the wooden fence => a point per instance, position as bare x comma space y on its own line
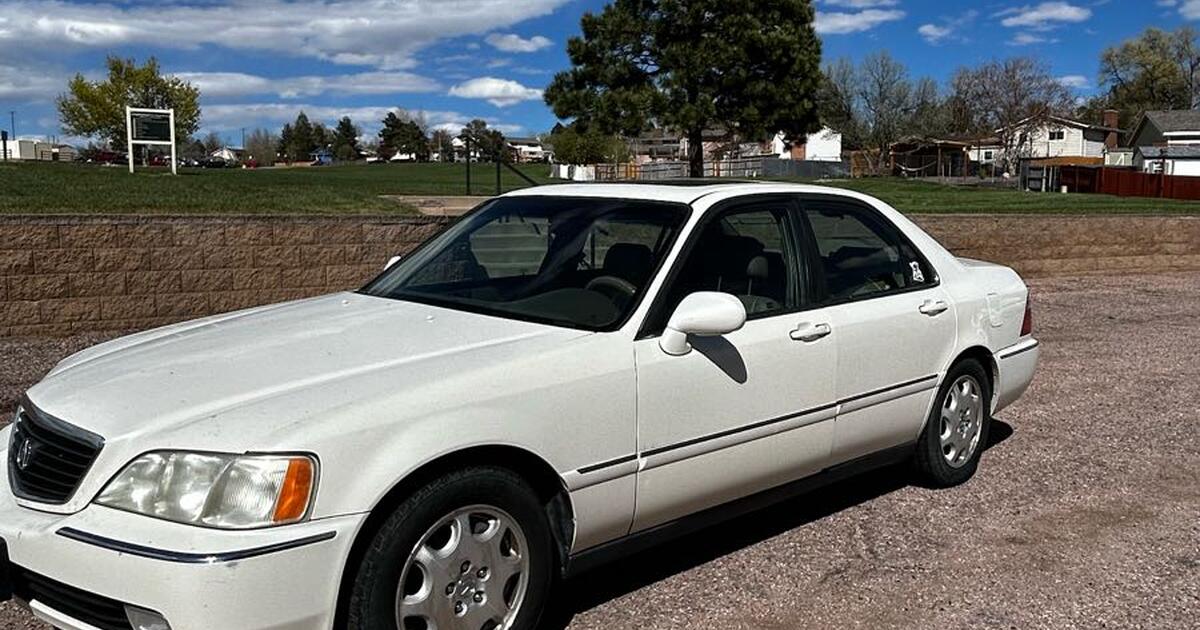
1128, 183
740, 168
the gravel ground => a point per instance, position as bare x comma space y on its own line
1084, 513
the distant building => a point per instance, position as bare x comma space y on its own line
1166, 128
229, 154
1179, 159
528, 150
1058, 137
822, 146
32, 150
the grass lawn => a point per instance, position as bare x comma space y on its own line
925, 197
44, 188
49, 188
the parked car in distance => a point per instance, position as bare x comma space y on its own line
216, 162
564, 373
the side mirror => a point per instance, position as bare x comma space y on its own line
391, 261
706, 314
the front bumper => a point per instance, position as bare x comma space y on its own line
283, 578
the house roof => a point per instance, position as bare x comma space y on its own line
1167, 121
1172, 152
917, 142
524, 141
1072, 123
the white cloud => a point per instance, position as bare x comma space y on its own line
1028, 39
227, 117
842, 23
1044, 16
934, 33
950, 28
498, 92
226, 84
25, 84
1076, 81
1167, 3
511, 43
1190, 9
381, 33
862, 4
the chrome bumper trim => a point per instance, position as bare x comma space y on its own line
187, 557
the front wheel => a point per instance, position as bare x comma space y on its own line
470, 551
956, 432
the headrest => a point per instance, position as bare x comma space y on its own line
758, 268
629, 261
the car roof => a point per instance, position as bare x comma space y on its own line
676, 191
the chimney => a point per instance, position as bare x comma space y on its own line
1111, 119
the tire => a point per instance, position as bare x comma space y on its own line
951, 444
431, 519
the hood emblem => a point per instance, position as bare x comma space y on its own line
24, 453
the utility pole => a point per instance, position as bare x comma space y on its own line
12, 124
243, 138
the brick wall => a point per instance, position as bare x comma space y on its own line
60, 275
65, 274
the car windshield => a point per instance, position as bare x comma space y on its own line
568, 261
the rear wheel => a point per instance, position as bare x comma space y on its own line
949, 448
470, 551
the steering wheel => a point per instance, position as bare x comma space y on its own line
617, 288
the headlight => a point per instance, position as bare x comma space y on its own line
215, 490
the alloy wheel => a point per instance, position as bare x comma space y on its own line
470, 571
962, 421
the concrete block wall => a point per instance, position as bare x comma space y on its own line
60, 275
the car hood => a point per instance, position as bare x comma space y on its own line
187, 373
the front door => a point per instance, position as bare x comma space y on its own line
743, 412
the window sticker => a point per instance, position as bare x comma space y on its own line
917, 275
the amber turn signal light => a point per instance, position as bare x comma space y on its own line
296, 491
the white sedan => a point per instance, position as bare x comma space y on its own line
565, 374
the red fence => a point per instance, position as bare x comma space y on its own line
1128, 183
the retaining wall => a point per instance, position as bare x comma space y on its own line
60, 275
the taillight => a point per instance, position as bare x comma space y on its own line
1027, 323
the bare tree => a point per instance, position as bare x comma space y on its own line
839, 101
887, 98
262, 146
1009, 98
1187, 57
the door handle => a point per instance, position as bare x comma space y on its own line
932, 307
810, 332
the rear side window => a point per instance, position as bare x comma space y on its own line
861, 254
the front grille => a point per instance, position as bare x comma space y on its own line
97, 610
48, 458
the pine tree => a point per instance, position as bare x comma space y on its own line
345, 140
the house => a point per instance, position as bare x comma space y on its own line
822, 146
655, 145
1064, 140
1166, 128
528, 150
1176, 159
229, 154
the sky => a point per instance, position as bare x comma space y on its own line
260, 62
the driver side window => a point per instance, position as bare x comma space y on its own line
743, 253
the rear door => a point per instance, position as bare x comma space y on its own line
746, 411
894, 324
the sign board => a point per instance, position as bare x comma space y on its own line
150, 127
